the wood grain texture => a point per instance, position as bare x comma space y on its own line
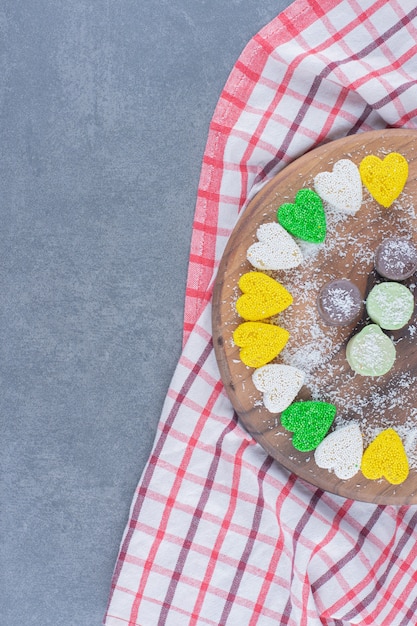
389, 401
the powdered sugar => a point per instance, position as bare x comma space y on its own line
319, 350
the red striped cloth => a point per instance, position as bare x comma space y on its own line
218, 532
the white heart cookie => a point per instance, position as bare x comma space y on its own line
342, 188
279, 384
341, 451
275, 249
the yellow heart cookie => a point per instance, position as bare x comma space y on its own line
262, 297
259, 342
384, 179
385, 457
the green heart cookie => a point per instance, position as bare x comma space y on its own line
309, 421
305, 218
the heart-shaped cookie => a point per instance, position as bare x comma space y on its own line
385, 457
262, 297
309, 421
341, 451
341, 188
279, 384
305, 218
259, 342
274, 250
384, 179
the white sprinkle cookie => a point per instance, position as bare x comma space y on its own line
275, 249
342, 188
279, 383
341, 451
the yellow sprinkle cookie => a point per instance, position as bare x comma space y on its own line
385, 457
262, 297
384, 179
259, 342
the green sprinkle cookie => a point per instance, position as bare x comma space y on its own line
305, 218
390, 305
309, 421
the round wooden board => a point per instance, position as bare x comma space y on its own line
375, 403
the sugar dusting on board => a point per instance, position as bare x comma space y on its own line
316, 348
319, 350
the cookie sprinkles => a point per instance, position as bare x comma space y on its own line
369, 353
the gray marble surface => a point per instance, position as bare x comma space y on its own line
105, 108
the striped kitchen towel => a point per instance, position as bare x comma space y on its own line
218, 532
